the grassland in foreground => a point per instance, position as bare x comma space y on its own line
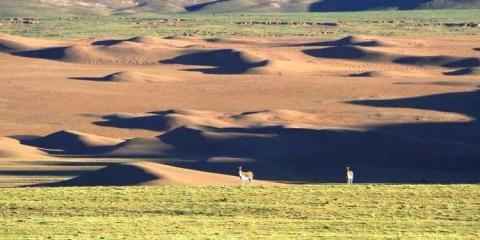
274, 212
397, 23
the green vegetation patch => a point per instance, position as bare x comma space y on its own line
396, 23
251, 212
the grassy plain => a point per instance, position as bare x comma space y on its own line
396, 23
256, 212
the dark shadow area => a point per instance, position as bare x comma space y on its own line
462, 72
108, 42
427, 152
224, 61
443, 83
200, 6
112, 175
456, 133
67, 142
54, 53
156, 122
363, 74
111, 42
71, 164
6, 48
476, 49
361, 5
43, 172
342, 52
346, 41
424, 152
443, 61
95, 79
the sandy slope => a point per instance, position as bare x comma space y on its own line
290, 108
149, 173
12, 148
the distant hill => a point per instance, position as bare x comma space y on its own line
123, 7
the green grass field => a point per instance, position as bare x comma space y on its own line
275, 212
397, 23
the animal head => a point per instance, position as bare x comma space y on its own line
348, 168
240, 168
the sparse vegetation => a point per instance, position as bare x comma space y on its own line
273, 212
418, 23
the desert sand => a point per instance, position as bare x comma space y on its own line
291, 109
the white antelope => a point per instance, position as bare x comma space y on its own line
245, 176
349, 176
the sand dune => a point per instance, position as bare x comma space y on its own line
73, 142
464, 71
223, 61
128, 76
359, 53
346, 52
165, 120
171, 119
301, 153
283, 67
389, 74
277, 117
139, 147
146, 40
12, 148
125, 53
442, 61
346, 41
288, 108
10, 43
149, 173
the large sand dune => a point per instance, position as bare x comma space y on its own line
148, 173
73, 142
291, 109
12, 148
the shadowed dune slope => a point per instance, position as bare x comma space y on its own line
164, 120
12, 148
149, 173
313, 149
464, 71
370, 74
285, 152
126, 76
463, 132
443, 61
388, 74
10, 43
174, 118
346, 41
223, 61
73, 142
146, 41
362, 53
141, 147
345, 52
121, 52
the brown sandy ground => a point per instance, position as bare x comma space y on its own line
292, 109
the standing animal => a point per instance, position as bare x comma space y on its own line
245, 175
349, 176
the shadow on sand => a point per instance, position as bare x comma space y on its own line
425, 152
224, 61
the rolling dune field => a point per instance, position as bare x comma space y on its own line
294, 109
